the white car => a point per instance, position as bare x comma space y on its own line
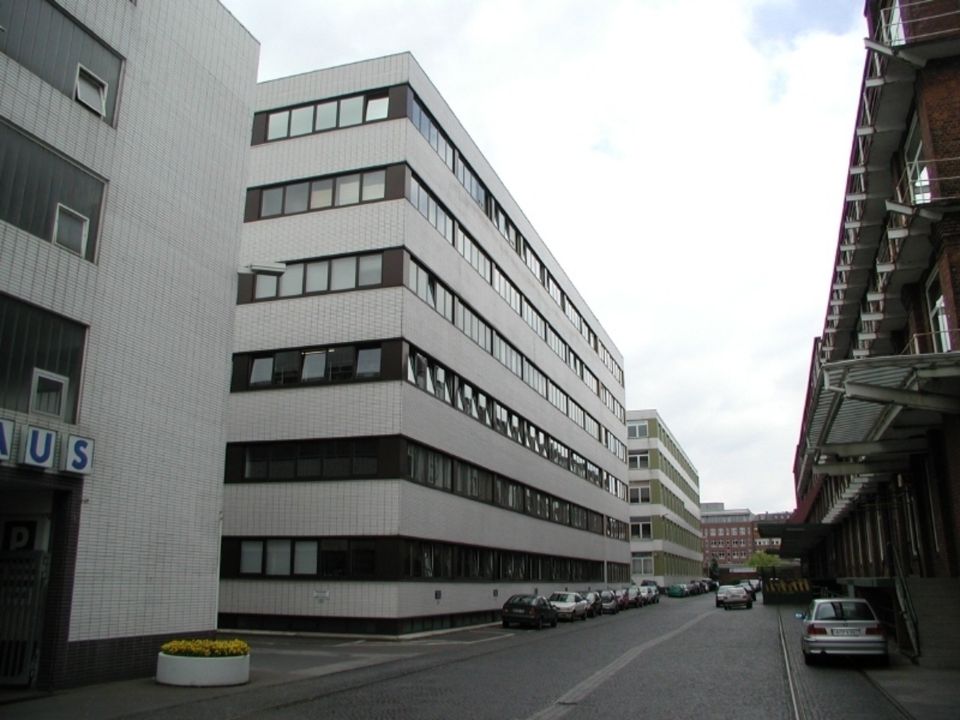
649, 594
842, 626
569, 605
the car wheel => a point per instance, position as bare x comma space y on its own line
749, 606
718, 604
539, 623
505, 623
726, 607
554, 623
583, 617
808, 659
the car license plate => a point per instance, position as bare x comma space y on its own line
846, 632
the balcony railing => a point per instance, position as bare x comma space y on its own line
924, 182
945, 340
902, 23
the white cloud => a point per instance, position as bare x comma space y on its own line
688, 179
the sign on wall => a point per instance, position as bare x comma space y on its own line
38, 447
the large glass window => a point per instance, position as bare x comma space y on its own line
41, 357
41, 37
343, 273
48, 196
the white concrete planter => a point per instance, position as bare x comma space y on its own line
202, 671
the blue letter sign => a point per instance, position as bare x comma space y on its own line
78, 455
38, 444
6, 438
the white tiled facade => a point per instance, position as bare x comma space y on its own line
157, 302
395, 507
665, 540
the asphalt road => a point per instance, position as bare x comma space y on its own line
681, 658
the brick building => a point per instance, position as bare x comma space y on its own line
877, 468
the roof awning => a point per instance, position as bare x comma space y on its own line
868, 415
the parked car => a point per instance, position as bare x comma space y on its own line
609, 603
653, 584
842, 626
593, 602
650, 594
634, 599
569, 605
533, 610
621, 598
722, 593
737, 596
678, 590
694, 587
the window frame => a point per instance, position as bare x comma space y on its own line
35, 406
61, 208
101, 86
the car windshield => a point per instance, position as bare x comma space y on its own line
562, 597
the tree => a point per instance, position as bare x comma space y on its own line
714, 569
763, 559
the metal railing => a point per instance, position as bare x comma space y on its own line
902, 23
907, 612
929, 181
939, 341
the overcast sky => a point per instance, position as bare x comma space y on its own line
684, 161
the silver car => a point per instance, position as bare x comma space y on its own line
842, 626
569, 605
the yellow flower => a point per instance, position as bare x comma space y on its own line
205, 648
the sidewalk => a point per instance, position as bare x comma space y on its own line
921, 693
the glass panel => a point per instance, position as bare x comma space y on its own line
305, 557
251, 556
271, 202
314, 366
348, 189
296, 200
278, 125
49, 393
377, 108
343, 273
262, 371
257, 464
266, 286
91, 91
351, 111
278, 557
370, 270
317, 276
368, 363
341, 363
301, 121
373, 185
291, 282
286, 367
321, 193
326, 116
71, 230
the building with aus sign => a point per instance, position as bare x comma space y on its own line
425, 417
877, 468
118, 237
664, 497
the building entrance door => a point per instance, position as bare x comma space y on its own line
23, 586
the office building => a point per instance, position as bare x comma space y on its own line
665, 535
425, 417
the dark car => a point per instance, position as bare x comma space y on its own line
533, 610
593, 602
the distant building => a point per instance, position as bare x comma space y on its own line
728, 534
665, 536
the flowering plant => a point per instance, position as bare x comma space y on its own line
205, 648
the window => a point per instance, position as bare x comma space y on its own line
265, 286
251, 557
351, 111
291, 282
348, 189
317, 276
321, 193
368, 363
295, 198
278, 125
374, 185
326, 116
638, 460
937, 313
278, 557
70, 230
369, 269
49, 393
301, 121
91, 91
343, 273
305, 557
377, 108
261, 372
314, 366
42, 38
